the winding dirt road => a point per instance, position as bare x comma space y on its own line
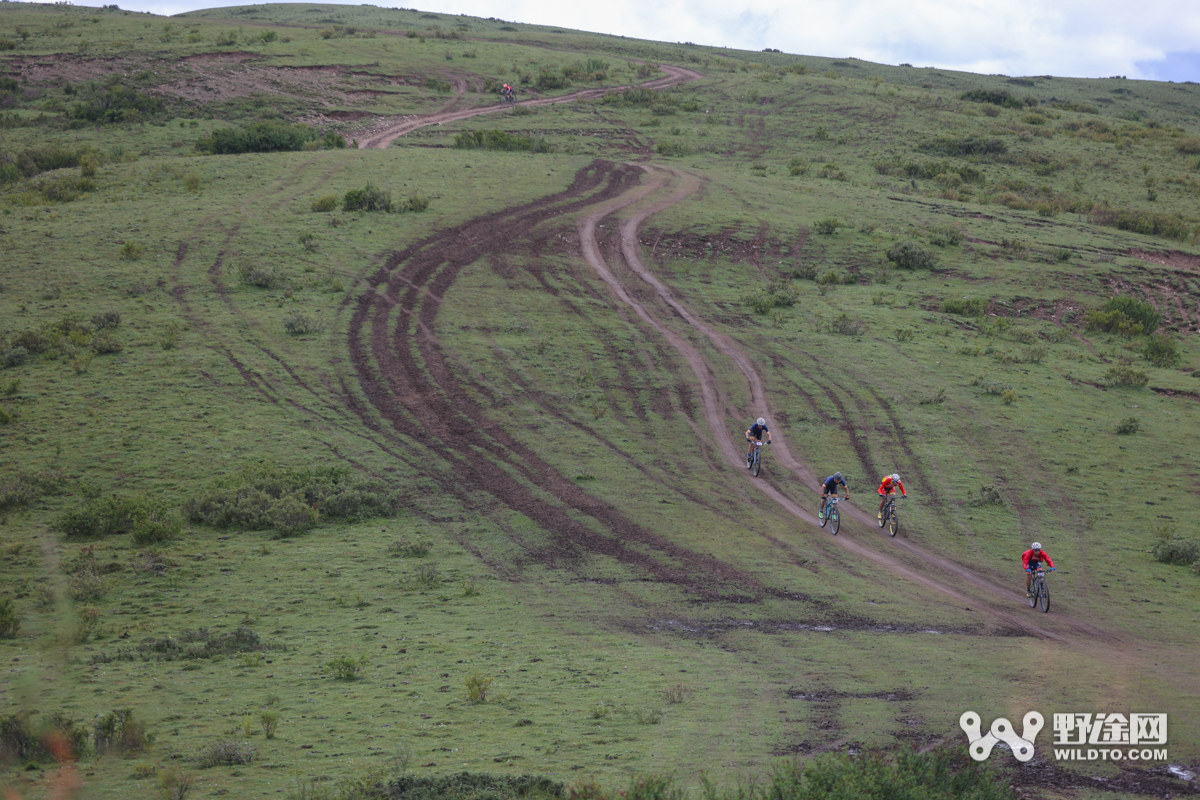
383, 136
668, 188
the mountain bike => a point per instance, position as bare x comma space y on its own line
831, 515
754, 458
1039, 594
889, 517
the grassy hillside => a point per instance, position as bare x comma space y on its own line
325, 495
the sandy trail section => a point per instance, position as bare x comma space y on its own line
936, 572
380, 138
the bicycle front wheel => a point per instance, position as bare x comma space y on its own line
835, 522
1044, 598
757, 463
893, 522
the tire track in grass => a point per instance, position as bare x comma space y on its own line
412, 393
717, 412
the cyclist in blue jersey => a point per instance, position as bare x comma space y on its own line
828, 487
754, 434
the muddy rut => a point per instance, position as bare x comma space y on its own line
408, 392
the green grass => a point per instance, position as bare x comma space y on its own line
809, 646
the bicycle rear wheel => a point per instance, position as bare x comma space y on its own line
883, 520
1033, 594
823, 518
757, 463
1044, 598
893, 521
835, 522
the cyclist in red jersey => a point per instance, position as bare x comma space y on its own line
887, 486
1031, 559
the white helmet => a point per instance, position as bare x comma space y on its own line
895, 477
1036, 545
761, 421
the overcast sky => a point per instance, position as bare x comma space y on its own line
1151, 39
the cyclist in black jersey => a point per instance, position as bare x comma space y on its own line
829, 486
755, 433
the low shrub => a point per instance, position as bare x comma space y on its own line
410, 547
478, 785
827, 227
346, 668
501, 140
1122, 375
327, 203
1128, 426
267, 137
779, 293
225, 753
106, 319
368, 198
10, 620
1173, 550
992, 385
264, 276
945, 235
477, 685
24, 741
262, 496
845, 325
191, 645
111, 515
298, 324
966, 306
1150, 223
1124, 315
117, 732
14, 356
23, 488
1161, 351
674, 149
911, 255
964, 146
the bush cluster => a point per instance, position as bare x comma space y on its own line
115, 103
965, 306
501, 140
20, 490
10, 620
190, 645
1161, 351
1126, 316
931, 170
227, 752
997, 97
477, 785
1129, 426
262, 496
1174, 550
779, 293
66, 338
23, 740
912, 255
149, 520
1150, 223
267, 137
1122, 375
964, 146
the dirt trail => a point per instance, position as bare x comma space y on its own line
718, 410
380, 138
